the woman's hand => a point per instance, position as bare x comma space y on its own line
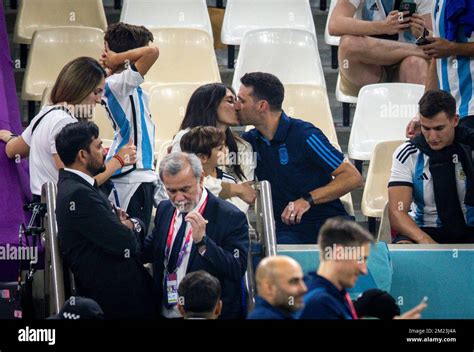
5, 135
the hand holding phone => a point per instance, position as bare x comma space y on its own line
407, 6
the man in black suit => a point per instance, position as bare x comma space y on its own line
100, 244
212, 236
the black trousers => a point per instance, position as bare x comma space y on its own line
141, 204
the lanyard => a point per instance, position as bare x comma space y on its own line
351, 306
186, 242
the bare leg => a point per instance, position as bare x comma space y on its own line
413, 69
361, 57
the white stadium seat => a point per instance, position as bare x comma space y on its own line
382, 114
290, 54
244, 15
67, 43
186, 55
34, 15
375, 191
167, 14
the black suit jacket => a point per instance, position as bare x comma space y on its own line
102, 253
225, 256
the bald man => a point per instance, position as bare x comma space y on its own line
280, 289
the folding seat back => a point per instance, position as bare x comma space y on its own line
186, 55
243, 15
382, 114
35, 15
53, 48
310, 103
167, 14
375, 191
167, 107
290, 54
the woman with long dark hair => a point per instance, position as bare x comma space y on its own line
213, 105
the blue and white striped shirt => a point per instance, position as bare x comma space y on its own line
127, 106
411, 168
455, 73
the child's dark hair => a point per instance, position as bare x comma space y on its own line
201, 140
122, 37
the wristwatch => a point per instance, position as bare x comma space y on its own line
202, 245
309, 198
136, 225
202, 242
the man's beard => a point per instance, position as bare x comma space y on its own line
283, 302
95, 169
185, 207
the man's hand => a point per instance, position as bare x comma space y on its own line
426, 239
413, 128
128, 153
5, 135
198, 224
392, 23
417, 25
414, 313
246, 192
123, 217
439, 48
294, 211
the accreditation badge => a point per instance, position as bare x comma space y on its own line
172, 288
461, 174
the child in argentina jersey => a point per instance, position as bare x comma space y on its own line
128, 56
410, 167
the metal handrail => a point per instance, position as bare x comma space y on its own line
54, 279
265, 218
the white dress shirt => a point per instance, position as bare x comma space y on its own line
181, 272
86, 177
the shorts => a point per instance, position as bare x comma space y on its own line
351, 89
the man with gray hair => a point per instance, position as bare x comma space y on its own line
195, 230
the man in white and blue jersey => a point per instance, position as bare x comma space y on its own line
378, 42
129, 57
307, 174
452, 50
430, 189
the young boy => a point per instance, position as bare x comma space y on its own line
128, 57
208, 143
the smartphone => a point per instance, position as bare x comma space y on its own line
407, 6
422, 41
425, 300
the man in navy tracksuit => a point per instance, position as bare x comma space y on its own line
280, 287
307, 173
344, 250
